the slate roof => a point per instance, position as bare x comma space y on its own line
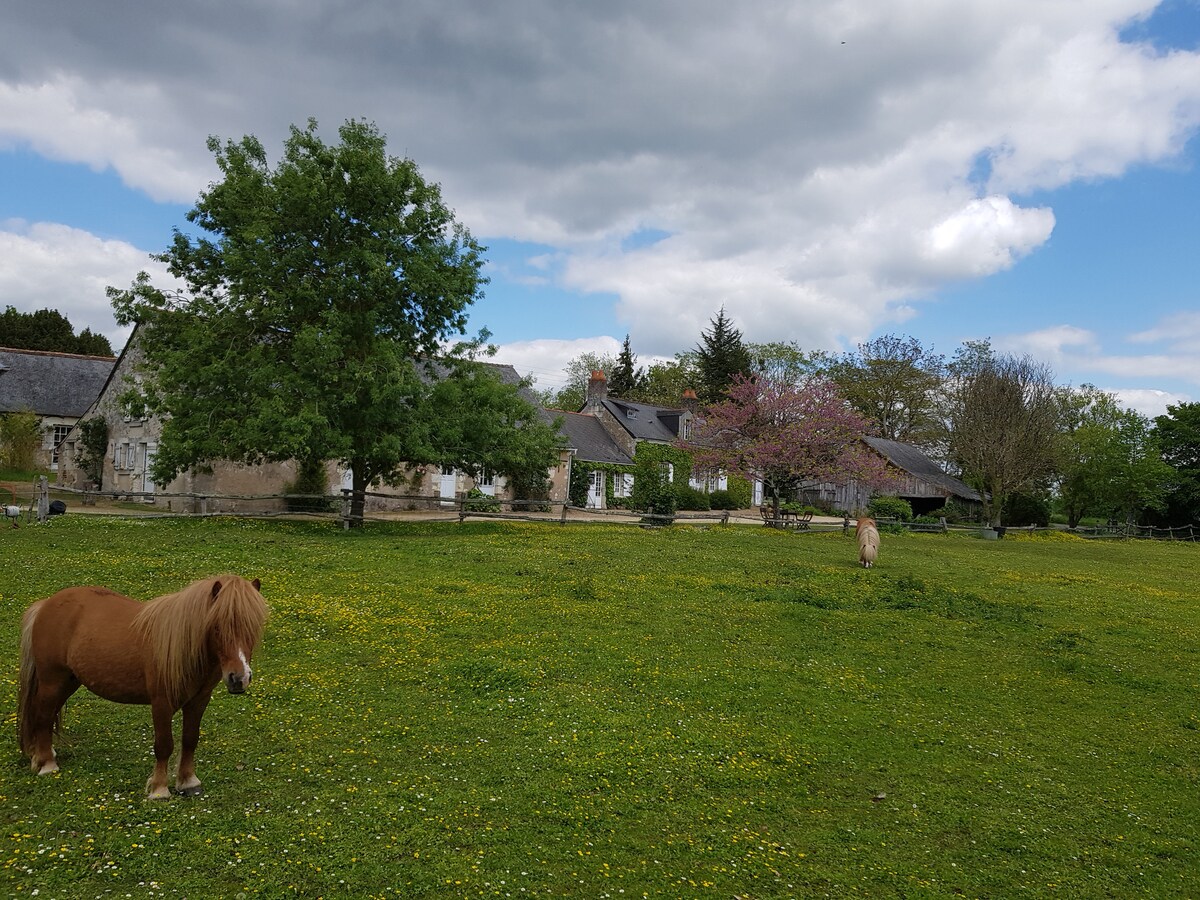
51, 384
646, 422
507, 374
588, 438
912, 460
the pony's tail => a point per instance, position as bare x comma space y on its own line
27, 683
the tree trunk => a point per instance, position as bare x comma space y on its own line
358, 488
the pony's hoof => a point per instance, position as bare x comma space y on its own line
163, 794
194, 791
48, 768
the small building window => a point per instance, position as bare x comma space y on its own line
60, 435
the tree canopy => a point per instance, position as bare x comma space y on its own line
314, 291
896, 383
48, 329
1003, 418
1107, 463
720, 357
572, 395
1177, 436
626, 379
784, 433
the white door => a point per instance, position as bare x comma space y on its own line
595, 497
448, 483
148, 451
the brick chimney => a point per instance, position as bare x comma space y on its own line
597, 390
690, 401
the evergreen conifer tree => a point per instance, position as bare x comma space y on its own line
720, 356
626, 378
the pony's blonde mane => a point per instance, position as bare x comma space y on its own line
176, 627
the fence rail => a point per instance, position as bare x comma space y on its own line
31, 502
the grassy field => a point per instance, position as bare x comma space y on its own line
495, 710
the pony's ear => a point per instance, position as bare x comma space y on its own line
257, 584
216, 589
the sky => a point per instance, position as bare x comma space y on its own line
827, 171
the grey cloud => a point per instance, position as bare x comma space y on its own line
802, 148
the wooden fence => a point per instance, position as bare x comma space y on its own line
28, 503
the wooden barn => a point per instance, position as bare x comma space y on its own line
914, 477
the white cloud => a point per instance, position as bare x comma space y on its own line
1180, 332
1149, 403
1058, 345
52, 266
545, 360
70, 120
986, 236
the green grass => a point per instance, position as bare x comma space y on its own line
493, 710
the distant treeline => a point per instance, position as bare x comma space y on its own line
48, 329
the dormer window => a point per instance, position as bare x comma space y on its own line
630, 412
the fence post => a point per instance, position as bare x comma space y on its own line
43, 498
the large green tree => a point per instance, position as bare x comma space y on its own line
572, 395
721, 356
312, 288
896, 383
477, 422
1107, 462
1177, 435
48, 329
666, 382
785, 362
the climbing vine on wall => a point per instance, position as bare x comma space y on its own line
581, 476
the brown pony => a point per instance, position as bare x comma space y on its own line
170, 653
868, 541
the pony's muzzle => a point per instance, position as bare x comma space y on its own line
236, 683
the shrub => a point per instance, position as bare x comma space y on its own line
1026, 509
20, 437
689, 498
958, 511
92, 448
478, 501
890, 508
721, 500
741, 493
312, 483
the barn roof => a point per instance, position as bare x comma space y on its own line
914, 461
51, 384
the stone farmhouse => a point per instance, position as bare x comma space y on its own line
236, 487
606, 433
57, 387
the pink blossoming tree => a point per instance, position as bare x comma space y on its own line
784, 434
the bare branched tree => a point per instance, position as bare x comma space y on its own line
1003, 416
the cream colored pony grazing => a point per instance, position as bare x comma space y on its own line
868, 541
